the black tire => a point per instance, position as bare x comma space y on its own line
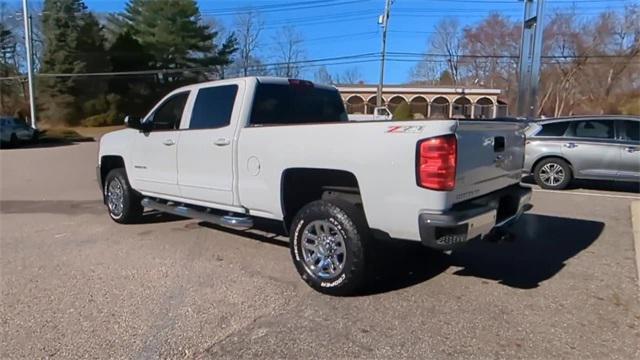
556, 181
126, 209
35, 137
348, 222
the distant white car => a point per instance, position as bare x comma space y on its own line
379, 113
13, 131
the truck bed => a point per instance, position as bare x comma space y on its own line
382, 157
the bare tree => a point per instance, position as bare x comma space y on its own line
447, 39
444, 53
491, 46
617, 36
289, 51
350, 75
323, 76
248, 27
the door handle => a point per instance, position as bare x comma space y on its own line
570, 145
169, 142
631, 149
222, 142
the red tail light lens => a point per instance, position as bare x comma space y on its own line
436, 163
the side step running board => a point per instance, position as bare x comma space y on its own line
230, 221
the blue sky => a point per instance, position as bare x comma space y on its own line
335, 28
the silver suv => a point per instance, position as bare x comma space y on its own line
594, 147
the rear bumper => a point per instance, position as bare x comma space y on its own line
474, 218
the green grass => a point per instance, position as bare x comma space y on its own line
63, 135
75, 134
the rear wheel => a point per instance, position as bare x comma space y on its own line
122, 201
328, 240
553, 174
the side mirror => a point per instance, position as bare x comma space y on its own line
132, 122
135, 123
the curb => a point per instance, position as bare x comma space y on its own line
635, 223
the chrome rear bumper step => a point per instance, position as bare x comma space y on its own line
230, 221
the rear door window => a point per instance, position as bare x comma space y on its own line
280, 104
631, 130
593, 129
213, 107
553, 129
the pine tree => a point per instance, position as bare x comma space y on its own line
74, 44
403, 112
172, 33
127, 54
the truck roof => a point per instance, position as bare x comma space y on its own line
259, 79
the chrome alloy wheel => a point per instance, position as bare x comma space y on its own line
552, 174
115, 197
323, 249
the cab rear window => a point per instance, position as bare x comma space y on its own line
281, 104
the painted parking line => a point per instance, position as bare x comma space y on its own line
635, 223
632, 197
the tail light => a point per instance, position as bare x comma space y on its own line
436, 163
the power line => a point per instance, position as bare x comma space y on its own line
352, 35
282, 8
516, 2
321, 21
498, 56
363, 56
130, 74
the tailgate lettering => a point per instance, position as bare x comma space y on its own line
405, 129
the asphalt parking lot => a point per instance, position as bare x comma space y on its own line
77, 285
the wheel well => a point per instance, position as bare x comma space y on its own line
108, 163
533, 167
300, 186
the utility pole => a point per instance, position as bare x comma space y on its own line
384, 21
529, 62
27, 44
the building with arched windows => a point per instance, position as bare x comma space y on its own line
446, 102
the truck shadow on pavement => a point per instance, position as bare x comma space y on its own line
542, 246
76, 207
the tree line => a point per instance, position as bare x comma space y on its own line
154, 46
589, 66
92, 70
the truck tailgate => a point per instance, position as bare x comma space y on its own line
490, 157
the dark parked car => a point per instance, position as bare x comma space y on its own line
589, 147
14, 131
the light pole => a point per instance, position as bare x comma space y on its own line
27, 44
529, 62
384, 22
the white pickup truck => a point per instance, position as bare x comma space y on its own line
230, 151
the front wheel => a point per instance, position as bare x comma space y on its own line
553, 174
122, 201
328, 240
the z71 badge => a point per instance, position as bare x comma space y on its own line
405, 129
